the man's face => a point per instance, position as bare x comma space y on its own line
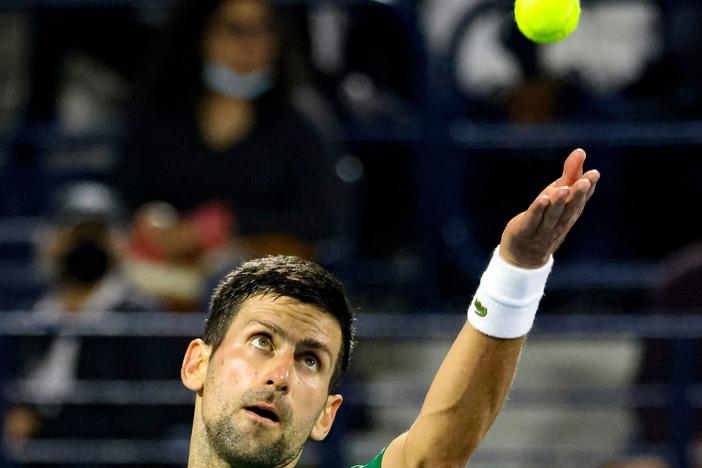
266, 387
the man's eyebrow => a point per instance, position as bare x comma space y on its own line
275, 328
309, 343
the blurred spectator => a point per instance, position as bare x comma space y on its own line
82, 252
66, 72
216, 138
381, 85
539, 97
607, 52
4, 364
79, 62
679, 291
669, 86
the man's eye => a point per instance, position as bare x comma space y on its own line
311, 361
262, 342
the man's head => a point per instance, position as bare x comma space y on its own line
278, 337
282, 276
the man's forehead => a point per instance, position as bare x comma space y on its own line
293, 316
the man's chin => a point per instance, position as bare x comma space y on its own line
263, 450
249, 441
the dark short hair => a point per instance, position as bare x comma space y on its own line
280, 276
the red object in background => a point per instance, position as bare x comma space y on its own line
214, 222
208, 227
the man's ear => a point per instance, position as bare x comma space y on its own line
194, 368
326, 417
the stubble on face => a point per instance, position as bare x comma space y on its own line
255, 445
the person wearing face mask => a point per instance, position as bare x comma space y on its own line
214, 126
80, 251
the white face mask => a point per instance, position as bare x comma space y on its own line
220, 79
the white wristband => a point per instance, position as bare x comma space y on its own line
505, 304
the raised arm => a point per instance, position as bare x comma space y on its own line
472, 383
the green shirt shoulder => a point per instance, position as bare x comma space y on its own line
374, 463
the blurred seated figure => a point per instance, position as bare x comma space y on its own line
4, 364
215, 140
678, 292
531, 92
75, 63
669, 83
79, 60
81, 249
540, 96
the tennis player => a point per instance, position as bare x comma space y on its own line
279, 335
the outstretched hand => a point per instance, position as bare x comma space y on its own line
533, 235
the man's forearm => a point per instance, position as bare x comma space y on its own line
467, 394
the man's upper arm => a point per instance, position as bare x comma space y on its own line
394, 456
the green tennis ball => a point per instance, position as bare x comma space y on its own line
545, 21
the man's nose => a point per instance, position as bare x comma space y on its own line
280, 371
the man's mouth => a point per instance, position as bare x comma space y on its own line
264, 411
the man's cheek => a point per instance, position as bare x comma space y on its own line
240, 371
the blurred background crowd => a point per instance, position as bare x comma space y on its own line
148, 147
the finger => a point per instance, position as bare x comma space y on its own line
555, 208
576, 204
551, 190
572, 168
582, 185
548, 191
593, 176
591, 192
534, 215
